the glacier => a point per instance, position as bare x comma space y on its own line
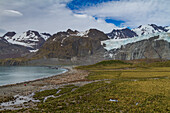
117, 43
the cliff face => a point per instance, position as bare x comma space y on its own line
122, 34
8, 50
148, 48
71, 44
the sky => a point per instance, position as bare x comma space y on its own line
59, 15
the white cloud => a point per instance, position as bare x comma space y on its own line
53, 16
48, 16
134, 12
81, 15
12, 13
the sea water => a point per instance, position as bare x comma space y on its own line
17, 74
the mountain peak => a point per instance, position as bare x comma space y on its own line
121, 33
149, 29
31, 32
31, 39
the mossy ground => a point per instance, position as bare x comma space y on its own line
136, 88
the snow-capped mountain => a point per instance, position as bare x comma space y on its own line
30, 39
8, 50
140, 31
149, 29
121, 34
122, 37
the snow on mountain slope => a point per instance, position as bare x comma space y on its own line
121, 34
83, 34
30, 39
168, 29
77, 33
149, 29
117, 43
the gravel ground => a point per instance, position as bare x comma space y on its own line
71, 76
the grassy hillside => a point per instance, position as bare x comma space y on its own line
120, 87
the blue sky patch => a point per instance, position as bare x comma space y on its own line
116, 22
81, 4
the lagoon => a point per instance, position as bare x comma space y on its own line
17, 74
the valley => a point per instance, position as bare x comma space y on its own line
84, 56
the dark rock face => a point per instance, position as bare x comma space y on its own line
34, 35
46, 34
72, 44
159, 28
8, 50
9, 34
121, 34
150, 49
69, 31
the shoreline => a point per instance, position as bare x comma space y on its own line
43, 78
71, 76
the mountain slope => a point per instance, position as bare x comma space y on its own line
149, 29
144, 49
66, 45
8, 50
30, 39
121, 34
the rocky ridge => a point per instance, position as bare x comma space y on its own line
121, 34
32, 40
74, 47
150, 29
73, 44
139, 31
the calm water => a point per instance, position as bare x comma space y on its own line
17, 74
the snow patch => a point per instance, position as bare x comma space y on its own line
62, 41
113, 100
45, 37
33, 51
51, 96
82, 34
111, 55
19, 100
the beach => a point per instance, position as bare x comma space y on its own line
26, 88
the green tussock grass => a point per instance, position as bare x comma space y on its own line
132, 96
137, 87
41, 95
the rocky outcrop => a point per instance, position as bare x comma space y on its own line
121, 34
73, 44
9, 34
8, 50
144, 49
